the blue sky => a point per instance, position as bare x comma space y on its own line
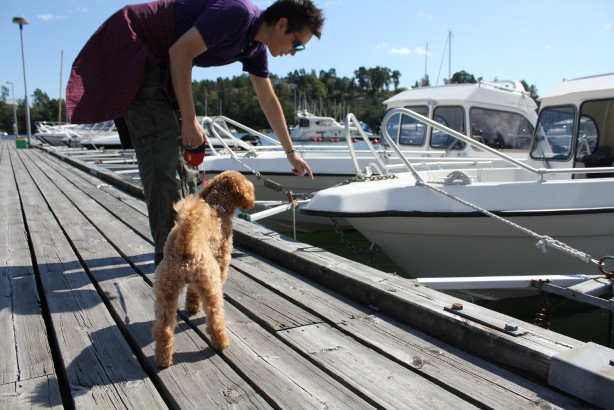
540, 41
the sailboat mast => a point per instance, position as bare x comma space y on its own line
450, 54
426, 57
60, 99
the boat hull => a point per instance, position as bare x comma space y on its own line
469, 246
52, 139
430, 234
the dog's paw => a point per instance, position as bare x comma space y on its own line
193, 307
220, 341
163, 360
192, 302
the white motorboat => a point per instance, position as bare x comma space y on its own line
487, 221
105, 135
55, 133
487, 110
100, 135
311, 128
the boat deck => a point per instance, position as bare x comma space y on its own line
308, 329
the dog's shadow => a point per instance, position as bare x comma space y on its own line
131, 362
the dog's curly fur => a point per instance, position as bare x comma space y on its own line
197, 253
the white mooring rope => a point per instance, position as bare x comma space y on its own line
543, 240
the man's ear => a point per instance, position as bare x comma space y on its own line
282, 24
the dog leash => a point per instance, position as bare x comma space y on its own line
275, 186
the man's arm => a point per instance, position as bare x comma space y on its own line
185, 49
275, 116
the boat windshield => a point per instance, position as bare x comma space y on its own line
501, 129
452, 117
554, 133
405, 130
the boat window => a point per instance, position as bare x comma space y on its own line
405, 130
587, 137
451, 117
554, 133
500, 129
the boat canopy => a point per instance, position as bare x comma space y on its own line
579, 90
465, 94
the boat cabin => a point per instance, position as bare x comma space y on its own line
576, 125
313, 128
500, 114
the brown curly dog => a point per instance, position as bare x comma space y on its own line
197, 253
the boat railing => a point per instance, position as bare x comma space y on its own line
349, 120
501, 85
540, 172
223, 135
215, 127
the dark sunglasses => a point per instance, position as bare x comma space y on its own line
297, 44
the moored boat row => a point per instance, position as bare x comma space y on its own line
485, 109
436, 223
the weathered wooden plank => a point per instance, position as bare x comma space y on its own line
288, 380
137, 246
125, 207
416, 305
487, 384
123, 182
265, 307
92, 348
9, 239
26, 369
373, 375
121, 225
41, 392
275, 303
133, 197
202, 378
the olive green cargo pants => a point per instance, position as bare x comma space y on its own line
166, 177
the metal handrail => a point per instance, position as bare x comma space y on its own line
389, 142
246, 128
216, 129
351, 119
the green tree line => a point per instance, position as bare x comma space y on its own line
323, 93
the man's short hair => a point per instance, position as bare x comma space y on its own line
300, 14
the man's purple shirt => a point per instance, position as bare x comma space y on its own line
110, 69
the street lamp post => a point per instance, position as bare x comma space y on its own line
21, 21
16, 129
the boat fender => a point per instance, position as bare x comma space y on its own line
457, 178
273, 185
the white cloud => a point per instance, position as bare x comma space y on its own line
402, 50
425, 16
49, 17
421, 51
393, 50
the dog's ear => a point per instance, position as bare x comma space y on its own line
249, 198
205, 191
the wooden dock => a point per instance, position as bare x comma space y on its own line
308, 329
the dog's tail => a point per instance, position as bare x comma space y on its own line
189, 209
